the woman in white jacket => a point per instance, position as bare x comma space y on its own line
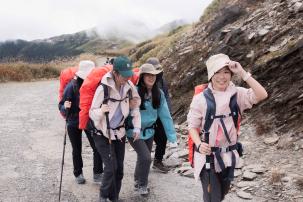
111, 143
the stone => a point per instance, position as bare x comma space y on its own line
240, 164
249, 175
243, 184
271, 140
244, 195
258, 168
251, 35
189, 173
237, 172
263, 32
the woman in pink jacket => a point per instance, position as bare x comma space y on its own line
215, 112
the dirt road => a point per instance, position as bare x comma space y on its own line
31, 132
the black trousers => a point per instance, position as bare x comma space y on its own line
217, 182
113, 165
75, 136
160, 140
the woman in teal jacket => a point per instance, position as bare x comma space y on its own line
153, 105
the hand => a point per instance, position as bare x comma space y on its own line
67, 104
236, 68
173, 145
104, 108
133, 103
136, 136
205, 148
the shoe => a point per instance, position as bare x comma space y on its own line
98, 177
80, 179
101, 199
143, 190
159, 166
136, 186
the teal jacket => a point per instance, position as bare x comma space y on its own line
149, 117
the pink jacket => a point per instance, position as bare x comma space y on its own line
99, 118
245, 99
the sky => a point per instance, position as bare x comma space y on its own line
39, 19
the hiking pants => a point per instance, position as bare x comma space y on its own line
143, 150
113, 166
218, 189
75, 136
160, 140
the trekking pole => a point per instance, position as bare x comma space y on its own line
207, 166
111, 152
62, 163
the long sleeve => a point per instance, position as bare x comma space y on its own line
167, 120
95, 112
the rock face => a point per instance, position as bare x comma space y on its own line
265, 37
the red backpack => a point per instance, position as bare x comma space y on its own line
88, 88
237, 121
66, 76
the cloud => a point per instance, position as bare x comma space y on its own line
34, 19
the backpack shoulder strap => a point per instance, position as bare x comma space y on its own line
211, 109
106, 93
235, 110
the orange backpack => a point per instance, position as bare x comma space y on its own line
191, 144
66, 76
88, 88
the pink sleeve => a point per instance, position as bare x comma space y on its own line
246, 98
196, 111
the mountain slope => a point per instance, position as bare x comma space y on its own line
264, 36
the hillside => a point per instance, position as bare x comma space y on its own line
266, 37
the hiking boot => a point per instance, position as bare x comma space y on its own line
136, 186
80, 179
101, 199
159, 166
143, 190
98, 177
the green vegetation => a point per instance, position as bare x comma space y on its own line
211, 9
159, 47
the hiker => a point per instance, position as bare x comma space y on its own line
160, 136
221, 153
153, 106
118, 89
70, 102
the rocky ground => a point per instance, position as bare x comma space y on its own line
31, 148
31, 132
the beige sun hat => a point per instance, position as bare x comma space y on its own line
215, 63
154, 61
149, 69
85, 67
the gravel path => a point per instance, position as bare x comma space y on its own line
31, 132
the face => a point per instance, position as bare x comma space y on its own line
120, 80
149, 80
221, 79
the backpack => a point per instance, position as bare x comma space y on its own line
66, 76
210, 116
88, 88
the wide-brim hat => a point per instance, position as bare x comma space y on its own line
123, 65
149, 69
85, 67
215, 63
154, 61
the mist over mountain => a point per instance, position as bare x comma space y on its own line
97, 40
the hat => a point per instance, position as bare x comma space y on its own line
123, 65
154, 61
149, 69
85, 67
215, 63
